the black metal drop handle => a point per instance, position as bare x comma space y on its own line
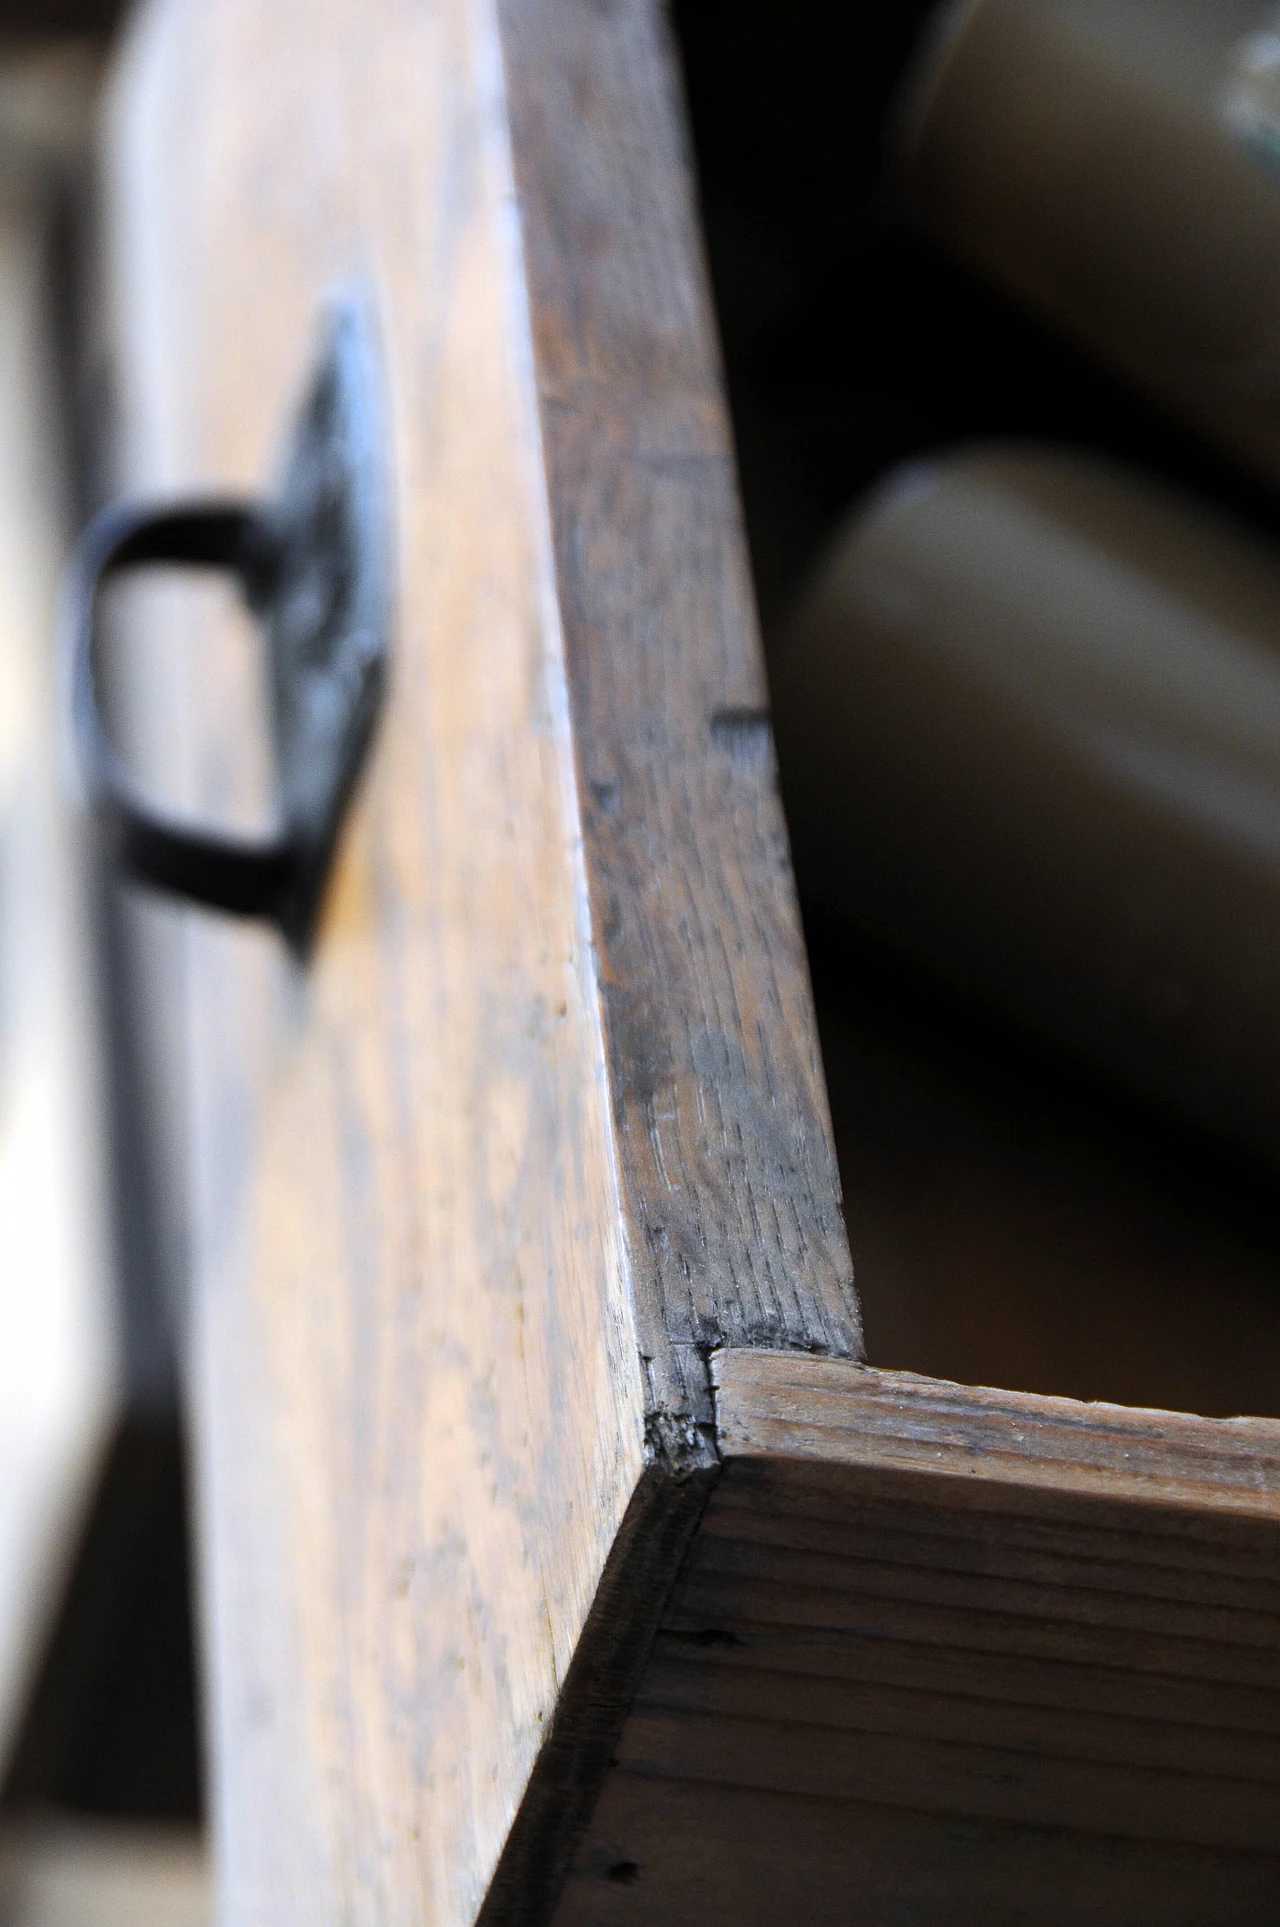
249, 878
313, 566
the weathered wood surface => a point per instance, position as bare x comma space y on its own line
897, 1421
731, 1195
941, 1653
418, 1398
543, 1121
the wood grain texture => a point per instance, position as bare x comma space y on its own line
543, 1121
418, 1394
895, 1421
944, 1654
728, 1179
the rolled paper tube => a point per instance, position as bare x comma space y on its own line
1028, 718
1116, 164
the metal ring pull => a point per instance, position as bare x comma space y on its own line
247, 878
313, 567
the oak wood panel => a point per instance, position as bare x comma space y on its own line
729, 1185
940, 1653
417, 1385
543, 1120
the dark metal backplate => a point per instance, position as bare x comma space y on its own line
324, 597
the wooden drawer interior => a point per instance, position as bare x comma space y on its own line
1014, 1658
961, 1671
1015, 1218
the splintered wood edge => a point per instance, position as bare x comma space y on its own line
783, 1406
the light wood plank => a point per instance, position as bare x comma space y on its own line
419, 1397
893, 1421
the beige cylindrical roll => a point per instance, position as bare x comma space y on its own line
1116, 164
1029, 726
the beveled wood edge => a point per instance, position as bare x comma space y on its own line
784, 1406
648, 1554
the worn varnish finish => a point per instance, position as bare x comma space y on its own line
945, 1654
543, 1120
900, 1422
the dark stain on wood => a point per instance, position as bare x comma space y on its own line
730, 1184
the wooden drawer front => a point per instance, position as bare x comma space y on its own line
561, 1559
543, 1119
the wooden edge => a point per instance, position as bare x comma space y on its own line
782, 1405
726, 1161
656, 1533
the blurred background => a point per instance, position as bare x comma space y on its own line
101, 1813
